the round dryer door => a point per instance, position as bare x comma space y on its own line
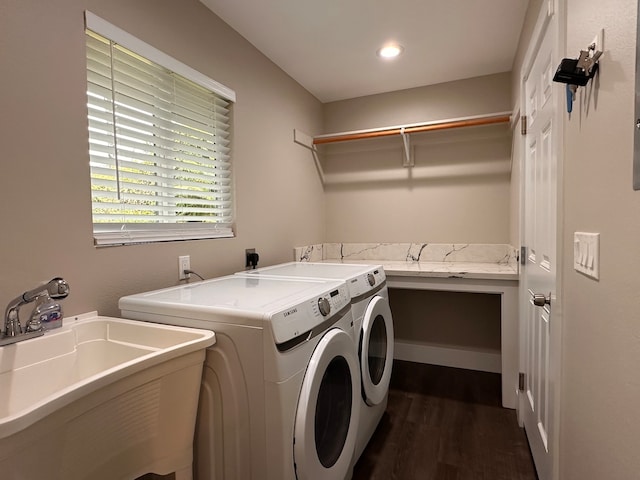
328, 410
376, 352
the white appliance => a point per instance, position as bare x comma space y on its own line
280, 388
373, 327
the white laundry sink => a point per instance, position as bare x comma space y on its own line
104, 382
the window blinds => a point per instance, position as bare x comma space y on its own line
159, 150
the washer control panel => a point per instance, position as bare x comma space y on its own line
331, 302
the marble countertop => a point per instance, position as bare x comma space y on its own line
476, 270
425, 260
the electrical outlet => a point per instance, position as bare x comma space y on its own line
247, 252
184, 263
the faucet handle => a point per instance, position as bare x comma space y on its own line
58, 288
12, 324
46, 315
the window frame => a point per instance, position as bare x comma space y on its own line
125, 233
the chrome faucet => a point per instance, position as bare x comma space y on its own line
46, 315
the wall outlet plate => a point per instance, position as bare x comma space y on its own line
184, 263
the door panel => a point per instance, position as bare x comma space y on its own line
328, 410
539, 234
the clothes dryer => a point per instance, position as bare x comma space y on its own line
373, 327
280, 391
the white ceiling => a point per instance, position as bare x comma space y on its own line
329, 46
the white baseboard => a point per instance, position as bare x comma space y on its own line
448, 357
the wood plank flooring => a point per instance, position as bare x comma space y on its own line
445, 424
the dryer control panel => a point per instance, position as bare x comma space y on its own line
365, 282
303, 317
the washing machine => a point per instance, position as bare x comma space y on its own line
280, 390
373, 327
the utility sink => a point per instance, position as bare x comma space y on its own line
98, 398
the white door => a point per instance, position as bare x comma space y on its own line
328, 410
538, 280
376, 350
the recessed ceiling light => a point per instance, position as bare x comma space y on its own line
390, 51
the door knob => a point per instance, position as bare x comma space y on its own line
540, 300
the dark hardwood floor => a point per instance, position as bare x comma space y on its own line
445, 424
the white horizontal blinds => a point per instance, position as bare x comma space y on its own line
159, 149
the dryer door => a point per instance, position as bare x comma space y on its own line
328, 410
376, 350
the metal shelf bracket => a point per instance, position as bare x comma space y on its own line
407, 160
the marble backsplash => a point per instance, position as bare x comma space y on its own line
409, 252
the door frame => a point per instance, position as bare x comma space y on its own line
552, 15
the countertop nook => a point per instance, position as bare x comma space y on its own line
471, 268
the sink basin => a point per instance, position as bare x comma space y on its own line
98, 375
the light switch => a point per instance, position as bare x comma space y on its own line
586, 253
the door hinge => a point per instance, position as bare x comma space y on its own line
523, 125
523, 255
521, 381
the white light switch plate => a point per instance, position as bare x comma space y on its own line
598, 40
586, 253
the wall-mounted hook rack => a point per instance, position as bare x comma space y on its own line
577, 72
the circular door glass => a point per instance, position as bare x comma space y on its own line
376, 350
377, 357
333, 411
326, 425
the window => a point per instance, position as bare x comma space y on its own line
158, 143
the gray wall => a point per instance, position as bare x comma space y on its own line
458, 320
459, 189
44, 186
601, 349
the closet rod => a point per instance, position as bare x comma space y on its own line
503, 117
